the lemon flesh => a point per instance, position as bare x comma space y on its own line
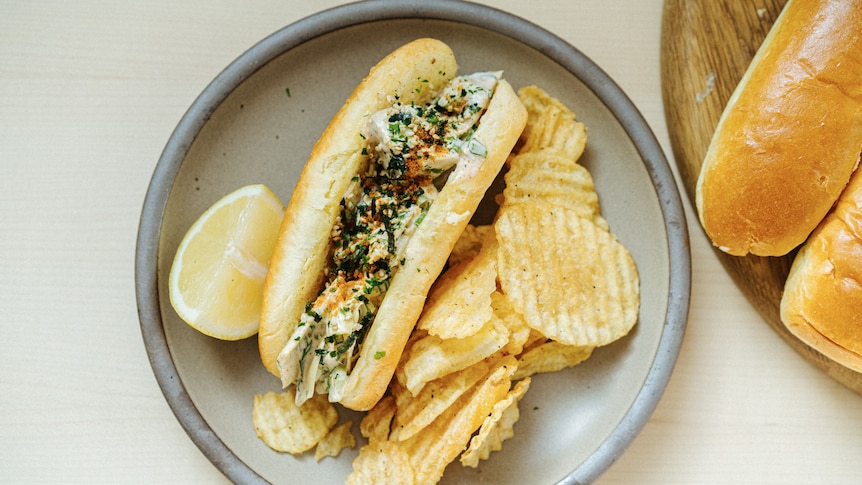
216, 280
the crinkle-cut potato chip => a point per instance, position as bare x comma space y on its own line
549, 177
399, 392
497, 427
284, 426
459, 303
424, 457
416, 412
337, 439
551, 356
534, 340
519, 331
469, 243
577, 285
398, 384
376, 423
443, 440
382, 462
432, 357
550, 124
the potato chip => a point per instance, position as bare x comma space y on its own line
534, 340
338, 438
416, 412
382, 462
519, 331
284, 426
398, 391
497, 427
469, 243
443, 440
550, 124
577, 285
432, 357
548, 176
550, 357
376, 423
398, 385
459, 303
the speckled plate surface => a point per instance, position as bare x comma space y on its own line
256, 123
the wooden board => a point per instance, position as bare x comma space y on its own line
706, 45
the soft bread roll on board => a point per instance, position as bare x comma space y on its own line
790, 135
411, 74
822, 301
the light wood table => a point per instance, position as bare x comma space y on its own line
89, 94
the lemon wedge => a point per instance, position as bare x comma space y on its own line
216, 279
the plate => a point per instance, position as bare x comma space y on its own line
256, 123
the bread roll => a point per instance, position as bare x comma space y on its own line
822, 301
790, 135
413, 74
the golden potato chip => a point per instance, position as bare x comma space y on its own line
550, 357
444, 439
398, 391
572, 281
432, 357
550, 124
416, 412
497, 427
376, 423
382, 462
398, 385
459, 303
519, 331
534, 340
549, 177
469, 243
338, 438
284, 426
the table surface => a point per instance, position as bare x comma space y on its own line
89, 94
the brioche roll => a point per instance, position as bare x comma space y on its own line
790, 135
822, 300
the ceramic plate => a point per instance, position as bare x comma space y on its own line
256, 123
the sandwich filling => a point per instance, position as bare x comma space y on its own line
409, 149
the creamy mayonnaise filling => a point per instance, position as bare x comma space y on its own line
408, 147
